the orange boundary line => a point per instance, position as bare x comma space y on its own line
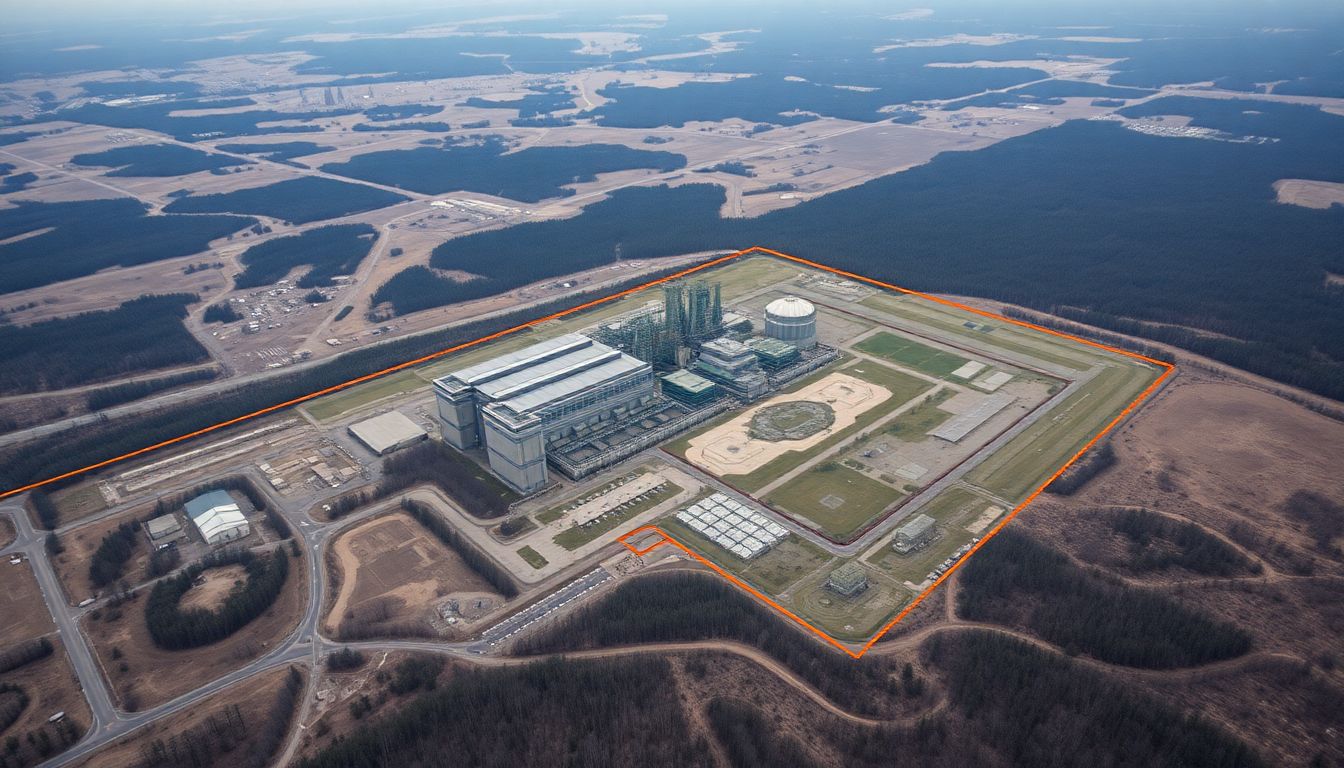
1169, 369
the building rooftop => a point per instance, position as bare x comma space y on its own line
688, 381
790, 306
916, 526
511, 362
849, 575
209, 502
386, 431
771, 347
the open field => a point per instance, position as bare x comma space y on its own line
393, 575
532, 557
7, 532
253, 697
911, 354
836, 498
1044, 446
51, 686
333, 406
852, 619
76, 502
772, 572
954, 510
145, 675
21, 603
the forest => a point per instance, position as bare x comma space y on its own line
1162, 237
16, 182
1017, 581
434, 126
332, 250
142, 334
297, 201
134, 390
671, 607
590, 713
159, 116
478, 491
544, 102
89, 443
92, 235
108, 563
176, 629
1157, 543
479, 164
279, 152
156, 160
385, 113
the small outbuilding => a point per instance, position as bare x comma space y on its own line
849, 580
388, 432
914, 534
162, 527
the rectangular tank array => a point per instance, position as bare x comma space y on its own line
733, 525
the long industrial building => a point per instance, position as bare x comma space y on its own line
516, 404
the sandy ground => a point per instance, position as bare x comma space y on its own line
215, 585
394, 557
1309, 194
729, 450
21, 604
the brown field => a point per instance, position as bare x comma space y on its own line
215, 586
25, 614
72, 565
1310, 194
152, 675
7, 532
390, 574
253, 697
52, 687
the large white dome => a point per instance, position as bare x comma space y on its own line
790, 306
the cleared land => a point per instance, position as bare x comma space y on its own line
146, 675
21, 604
911, 354
51, 686
393, 575
838, 499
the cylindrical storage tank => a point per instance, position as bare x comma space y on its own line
793, 320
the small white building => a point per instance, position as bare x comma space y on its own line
217, 516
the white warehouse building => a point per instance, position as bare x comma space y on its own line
217, 516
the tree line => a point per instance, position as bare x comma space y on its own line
608, 712
1156, 543
176, 629
1015, 580
117, 394
472, 555
90, 443
24, 653
689, 606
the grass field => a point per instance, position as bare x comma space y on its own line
532, 557
854, 618
1042, 448
576, 536
333, 406
911, 354
953, 509
1003, 335
913, 425
856, 498
772, 572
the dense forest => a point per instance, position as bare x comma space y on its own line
1157, 543
108, 563
592, 713
691, 606
1180, 232
297, 201
92, 235
279, 151
475, 489
1015, 580
16, 182
1323, 517
89, 443
14, 656
479, 164
382, 114
156, 160
173, 628
134, 390
543, 102
432, 126
143, 334
159, 117
332, 250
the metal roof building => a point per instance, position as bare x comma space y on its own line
387, 432
914, 533
516, 403
849, 579
217, 516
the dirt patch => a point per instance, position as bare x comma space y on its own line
213, 587
52, 687
72, 565
7, 532
1309, 194
142, 675
394, 576
25, 615
253, 697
